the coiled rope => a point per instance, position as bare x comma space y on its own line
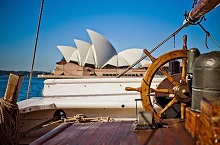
9, 121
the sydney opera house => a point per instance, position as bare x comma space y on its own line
98, 59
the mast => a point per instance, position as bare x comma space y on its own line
201, 8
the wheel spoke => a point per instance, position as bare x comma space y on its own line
166, 91
174, 100
184, 63
149, 55
169, 77
133, 89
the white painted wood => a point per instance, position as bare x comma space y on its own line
92, 87
86, 93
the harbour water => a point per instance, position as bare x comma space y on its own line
36, 87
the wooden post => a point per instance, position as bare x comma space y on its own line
9, 117
183, 107
13, 88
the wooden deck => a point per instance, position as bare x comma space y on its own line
115, 133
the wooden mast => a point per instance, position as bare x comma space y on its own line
201, 8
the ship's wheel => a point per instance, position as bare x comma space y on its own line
176, 90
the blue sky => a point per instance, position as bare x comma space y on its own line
125, 23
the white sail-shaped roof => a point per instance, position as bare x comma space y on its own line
145, 62
131, 55
104, 50
101, 53
117, 61
83, 48
90, 58
75, 56
66, 51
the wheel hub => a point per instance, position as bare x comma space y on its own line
181, 93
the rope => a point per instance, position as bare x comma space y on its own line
208, 35
78, 118
206, 41
35, 49
81, 118
9, 133
155, 48
174, 41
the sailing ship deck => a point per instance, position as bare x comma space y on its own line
118, 132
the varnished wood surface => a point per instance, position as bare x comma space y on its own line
117, 133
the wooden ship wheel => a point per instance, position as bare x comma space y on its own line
172, 85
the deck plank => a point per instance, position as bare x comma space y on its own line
168, 136
130, 136
156, 137
72, 136
109, 133
68, 135
181, 134
123, 133
87, 134
98, 132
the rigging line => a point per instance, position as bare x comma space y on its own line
216, 43
160, 44
206, 41
209, 35
35, 48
